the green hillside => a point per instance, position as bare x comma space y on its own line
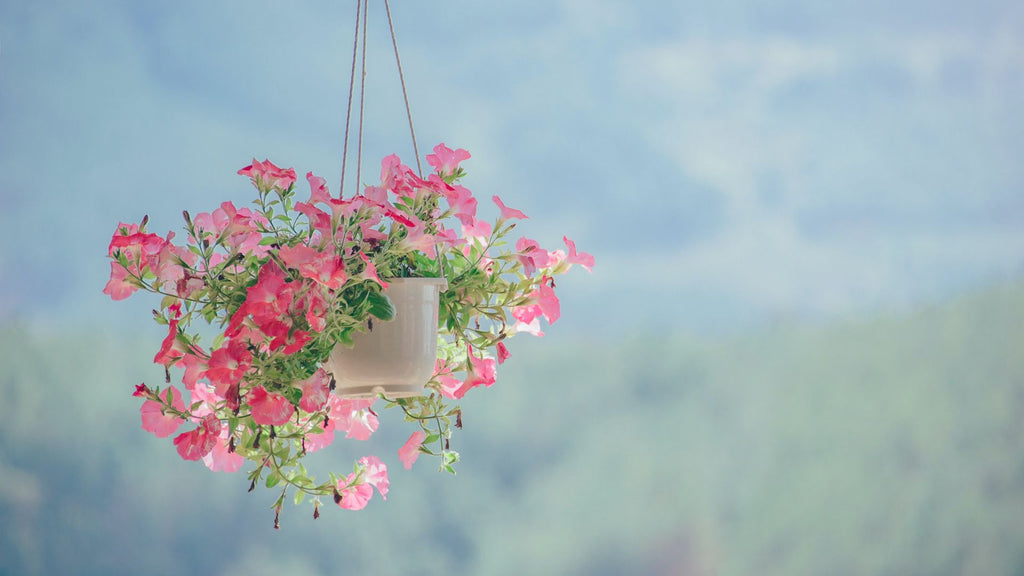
892, 445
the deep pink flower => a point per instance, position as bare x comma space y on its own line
267, 300
286, 337
269, 408
375, 473
156, 421
316, 390
119, 286
199, 442
228, 364
356, 496
171, 349
327, 269
446, 161
370, 273
503, 353
320, 220
506, 212
583, 259
410, 451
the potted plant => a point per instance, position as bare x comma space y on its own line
301, 300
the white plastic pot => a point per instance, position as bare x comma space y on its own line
396, 358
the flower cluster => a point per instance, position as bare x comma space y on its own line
279, 285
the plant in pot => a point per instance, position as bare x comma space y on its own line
317, 309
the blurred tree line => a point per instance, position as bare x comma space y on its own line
884, 445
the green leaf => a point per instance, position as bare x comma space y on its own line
273, 479
381, 306
299, 497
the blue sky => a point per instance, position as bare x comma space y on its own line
728, 163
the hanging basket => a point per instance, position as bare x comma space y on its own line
394, 358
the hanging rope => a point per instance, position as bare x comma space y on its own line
362, 8
348, 111
405, 95
362, 101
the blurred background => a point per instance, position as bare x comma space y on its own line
799, 352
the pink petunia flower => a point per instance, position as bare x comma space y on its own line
265, 175
269, 408
410, 451
583, 259
228, 364
156, 421
356, 496
375, 474
481, 372
548, 302
316, 391
326, 269
370, 273
503, 353
355, 417
221, 458
506, 212
318, 192
120, 286
199, 442
171, 349
445, 160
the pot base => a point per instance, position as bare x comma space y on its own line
391, 391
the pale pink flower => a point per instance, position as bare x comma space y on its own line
221, 458
119, 286
195, 368
356, 496
318, 192
481, 372
531, 255
269, 408
375, 473
199, 442
583, 259
316, 390
506, 212
476, 229
355, 417
268, 175
548, 302
156, 421
445, 160
318, 440
410, 451
531, 327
